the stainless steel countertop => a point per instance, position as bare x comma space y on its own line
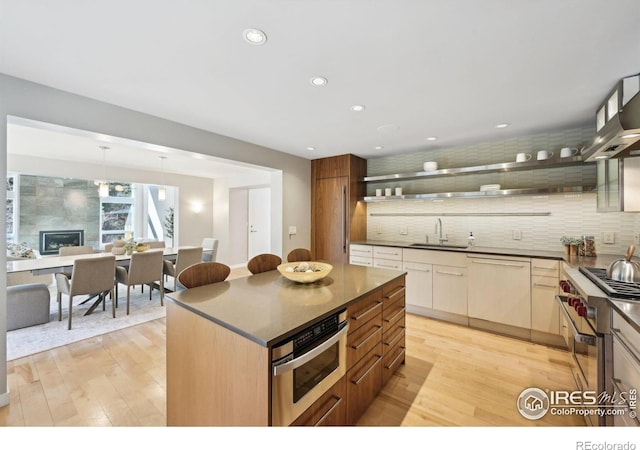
267, 308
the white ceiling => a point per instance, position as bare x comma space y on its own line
452, 69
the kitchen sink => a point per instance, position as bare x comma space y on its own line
421, 245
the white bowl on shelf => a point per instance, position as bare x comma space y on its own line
489, 187
430, 166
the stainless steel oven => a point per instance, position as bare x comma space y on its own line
306, 365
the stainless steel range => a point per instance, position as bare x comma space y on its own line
587, 327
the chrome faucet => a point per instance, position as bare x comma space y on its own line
438, 231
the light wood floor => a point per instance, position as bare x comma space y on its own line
453, 376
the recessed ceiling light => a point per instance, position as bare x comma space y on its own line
432, 138
254, 36
311, 148
631, 135
503, 125
319, 81
357, 108
379, 147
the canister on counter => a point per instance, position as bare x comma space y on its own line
588, 247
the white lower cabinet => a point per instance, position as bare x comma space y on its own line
500, 290
419, 285
450, 289
361, 255
387, 257
545, 285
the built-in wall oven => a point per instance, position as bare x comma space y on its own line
306, 365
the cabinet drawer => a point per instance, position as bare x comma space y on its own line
364, 381
361, 250
627, 333
626, 366
362, 340
392, 314
387, 264
393, 253
394, 336
328, 410
393, 291
545, 267
364, 310
391, 361
361, 260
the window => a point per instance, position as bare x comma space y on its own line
12, 206
117, 213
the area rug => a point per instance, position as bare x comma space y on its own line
35, 339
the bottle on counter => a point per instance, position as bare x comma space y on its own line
471, 240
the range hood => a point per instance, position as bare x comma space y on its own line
617, 123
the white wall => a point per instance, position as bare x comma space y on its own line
21, 98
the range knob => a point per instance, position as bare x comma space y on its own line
571, 301
564, 285
582, 310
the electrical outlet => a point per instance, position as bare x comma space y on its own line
608, 237
404, 231
517, 235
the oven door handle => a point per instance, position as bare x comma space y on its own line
279, 369
577, 336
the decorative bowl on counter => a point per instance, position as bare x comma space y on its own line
305, 271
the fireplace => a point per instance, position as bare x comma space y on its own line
51, 241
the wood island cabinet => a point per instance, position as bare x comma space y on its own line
336, 215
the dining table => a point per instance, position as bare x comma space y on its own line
54, 264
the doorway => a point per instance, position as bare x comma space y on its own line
249, 223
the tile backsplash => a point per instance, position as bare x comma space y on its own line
539, 221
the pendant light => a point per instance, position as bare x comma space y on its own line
103, 189
162, 193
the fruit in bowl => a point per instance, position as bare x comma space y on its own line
305, 271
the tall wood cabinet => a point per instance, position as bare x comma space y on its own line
336, 215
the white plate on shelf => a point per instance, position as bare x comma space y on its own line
489, 187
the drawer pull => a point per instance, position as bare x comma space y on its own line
398, 291
360, 316
518, 266
396, 338
395, 359
356, 347
407, 267
544, 268
359, 380
444, 272
395, 315
355, 250
388, 253
338, 400
392, 266
618, 334
545, 285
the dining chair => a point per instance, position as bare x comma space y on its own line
144, 268
203, 273
209, 249
263, 263
156, 244
184, 258
299, 254
90, 276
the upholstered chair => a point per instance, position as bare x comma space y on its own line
184, 258
144, 268
94, 275
75, 250
263, 263
203, 273
209, 249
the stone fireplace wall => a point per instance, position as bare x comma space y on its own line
48, 203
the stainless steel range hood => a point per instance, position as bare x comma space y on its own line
617, 123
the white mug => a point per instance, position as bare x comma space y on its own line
378, 192
544, 154
387, 192
568, 151
523, 157
430, 165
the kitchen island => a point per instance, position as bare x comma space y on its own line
220, 336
